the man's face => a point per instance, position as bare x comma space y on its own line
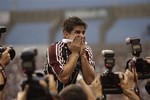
78, 30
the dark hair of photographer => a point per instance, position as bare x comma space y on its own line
73, 92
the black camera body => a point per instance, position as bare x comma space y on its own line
110, 81
28, 60
141, 65
36, 91
2, 49
2, 29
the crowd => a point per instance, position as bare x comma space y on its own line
73, 73
15, 76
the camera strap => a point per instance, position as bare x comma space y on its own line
3, 73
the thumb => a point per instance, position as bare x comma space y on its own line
121, 76
26, 89
7, 50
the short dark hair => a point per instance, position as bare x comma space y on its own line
69, 24
73, 92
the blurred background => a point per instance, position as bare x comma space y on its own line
38, 23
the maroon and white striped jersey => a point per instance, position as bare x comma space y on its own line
57, 55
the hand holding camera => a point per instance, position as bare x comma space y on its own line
6, 54
34, 77
141, 65
110, 80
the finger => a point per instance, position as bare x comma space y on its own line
97, 79
147, 57
83, 40
121, 75
43, 83
79, 39
75, 40
51, 77
26, 89
6, 51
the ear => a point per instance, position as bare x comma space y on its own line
66, 35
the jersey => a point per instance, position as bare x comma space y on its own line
57, 55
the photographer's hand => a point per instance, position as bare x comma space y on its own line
147, 59
127, 89
22, 95
51, 85
97, 87
132, 76
5, 58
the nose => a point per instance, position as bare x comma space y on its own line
81, 34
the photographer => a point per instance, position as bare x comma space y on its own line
4, 61
51, 86
5, 58
95, 92
110, 82
141, 66
36, 85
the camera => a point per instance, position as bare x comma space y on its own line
2, 29
147, 87
141, 65
28, 60
2, 49
11, 51
110, 81
36, 91
135, 45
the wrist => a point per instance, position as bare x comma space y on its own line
1, 67
127, 92
100, 97
83, 56
3, 79
75, 54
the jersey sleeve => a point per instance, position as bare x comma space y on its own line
52, 61
90, 57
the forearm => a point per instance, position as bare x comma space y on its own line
131, 95
69, 68
1, 84
88, 73
1, 95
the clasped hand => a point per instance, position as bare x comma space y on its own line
78, 45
